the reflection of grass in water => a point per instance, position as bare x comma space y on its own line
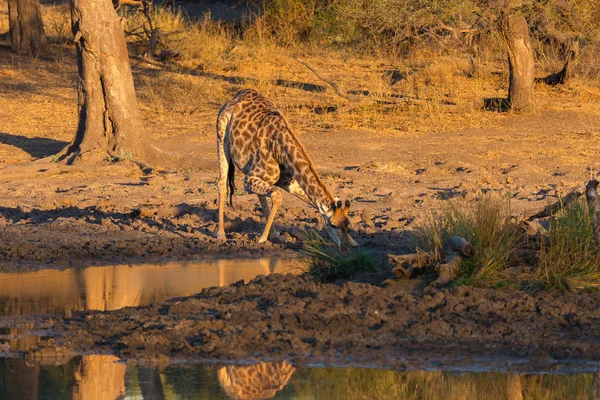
200, 381
380, 384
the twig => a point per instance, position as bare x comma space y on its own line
401, 100
333, 85
560, 204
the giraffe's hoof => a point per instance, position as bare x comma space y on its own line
221, 237
263, 239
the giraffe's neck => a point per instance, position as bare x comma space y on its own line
305, 173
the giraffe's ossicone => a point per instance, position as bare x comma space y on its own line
253, 136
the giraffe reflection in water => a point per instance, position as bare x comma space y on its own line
99, 377
255, 382
117, 286
107, 377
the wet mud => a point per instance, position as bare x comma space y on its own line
287, 317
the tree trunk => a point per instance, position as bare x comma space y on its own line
26, 27
150, 384
109, 117
520, 61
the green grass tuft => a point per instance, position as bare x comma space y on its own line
569, 258
327, 263
487, 224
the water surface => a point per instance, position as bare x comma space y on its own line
106, 377
117, 286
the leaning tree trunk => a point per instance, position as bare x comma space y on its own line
109, 117
520, 61
26, 27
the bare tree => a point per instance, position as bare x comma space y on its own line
520, 58
26, 27
109, 117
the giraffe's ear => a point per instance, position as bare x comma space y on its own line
337, 203
333, 206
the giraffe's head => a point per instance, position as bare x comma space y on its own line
338, 224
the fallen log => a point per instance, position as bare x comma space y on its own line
455, 248
460, 245
407, 265
448, 270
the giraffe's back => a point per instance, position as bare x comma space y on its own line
245, 114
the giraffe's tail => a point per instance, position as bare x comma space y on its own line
231, 181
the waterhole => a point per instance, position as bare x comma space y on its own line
25, 295
106, 377
116, 286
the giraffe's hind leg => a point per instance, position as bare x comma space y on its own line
258, 186
224, 166
264, 203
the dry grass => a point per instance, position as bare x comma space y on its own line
217, 61
215, 58
566, 255
488, 225
569, 258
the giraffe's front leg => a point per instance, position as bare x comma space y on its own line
263, 189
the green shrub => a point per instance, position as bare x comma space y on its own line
327, 263
569, 258
487, 224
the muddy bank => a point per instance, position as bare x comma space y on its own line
285, 317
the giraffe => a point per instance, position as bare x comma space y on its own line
255, 382
254, 136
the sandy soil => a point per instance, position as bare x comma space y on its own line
62, 216
56, 216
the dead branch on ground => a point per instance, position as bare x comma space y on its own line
455, 248
407, 265
593, 201
448, 270
402, 100
561, 76
561, 203
332, 84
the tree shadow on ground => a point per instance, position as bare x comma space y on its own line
234, 80
37, 147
